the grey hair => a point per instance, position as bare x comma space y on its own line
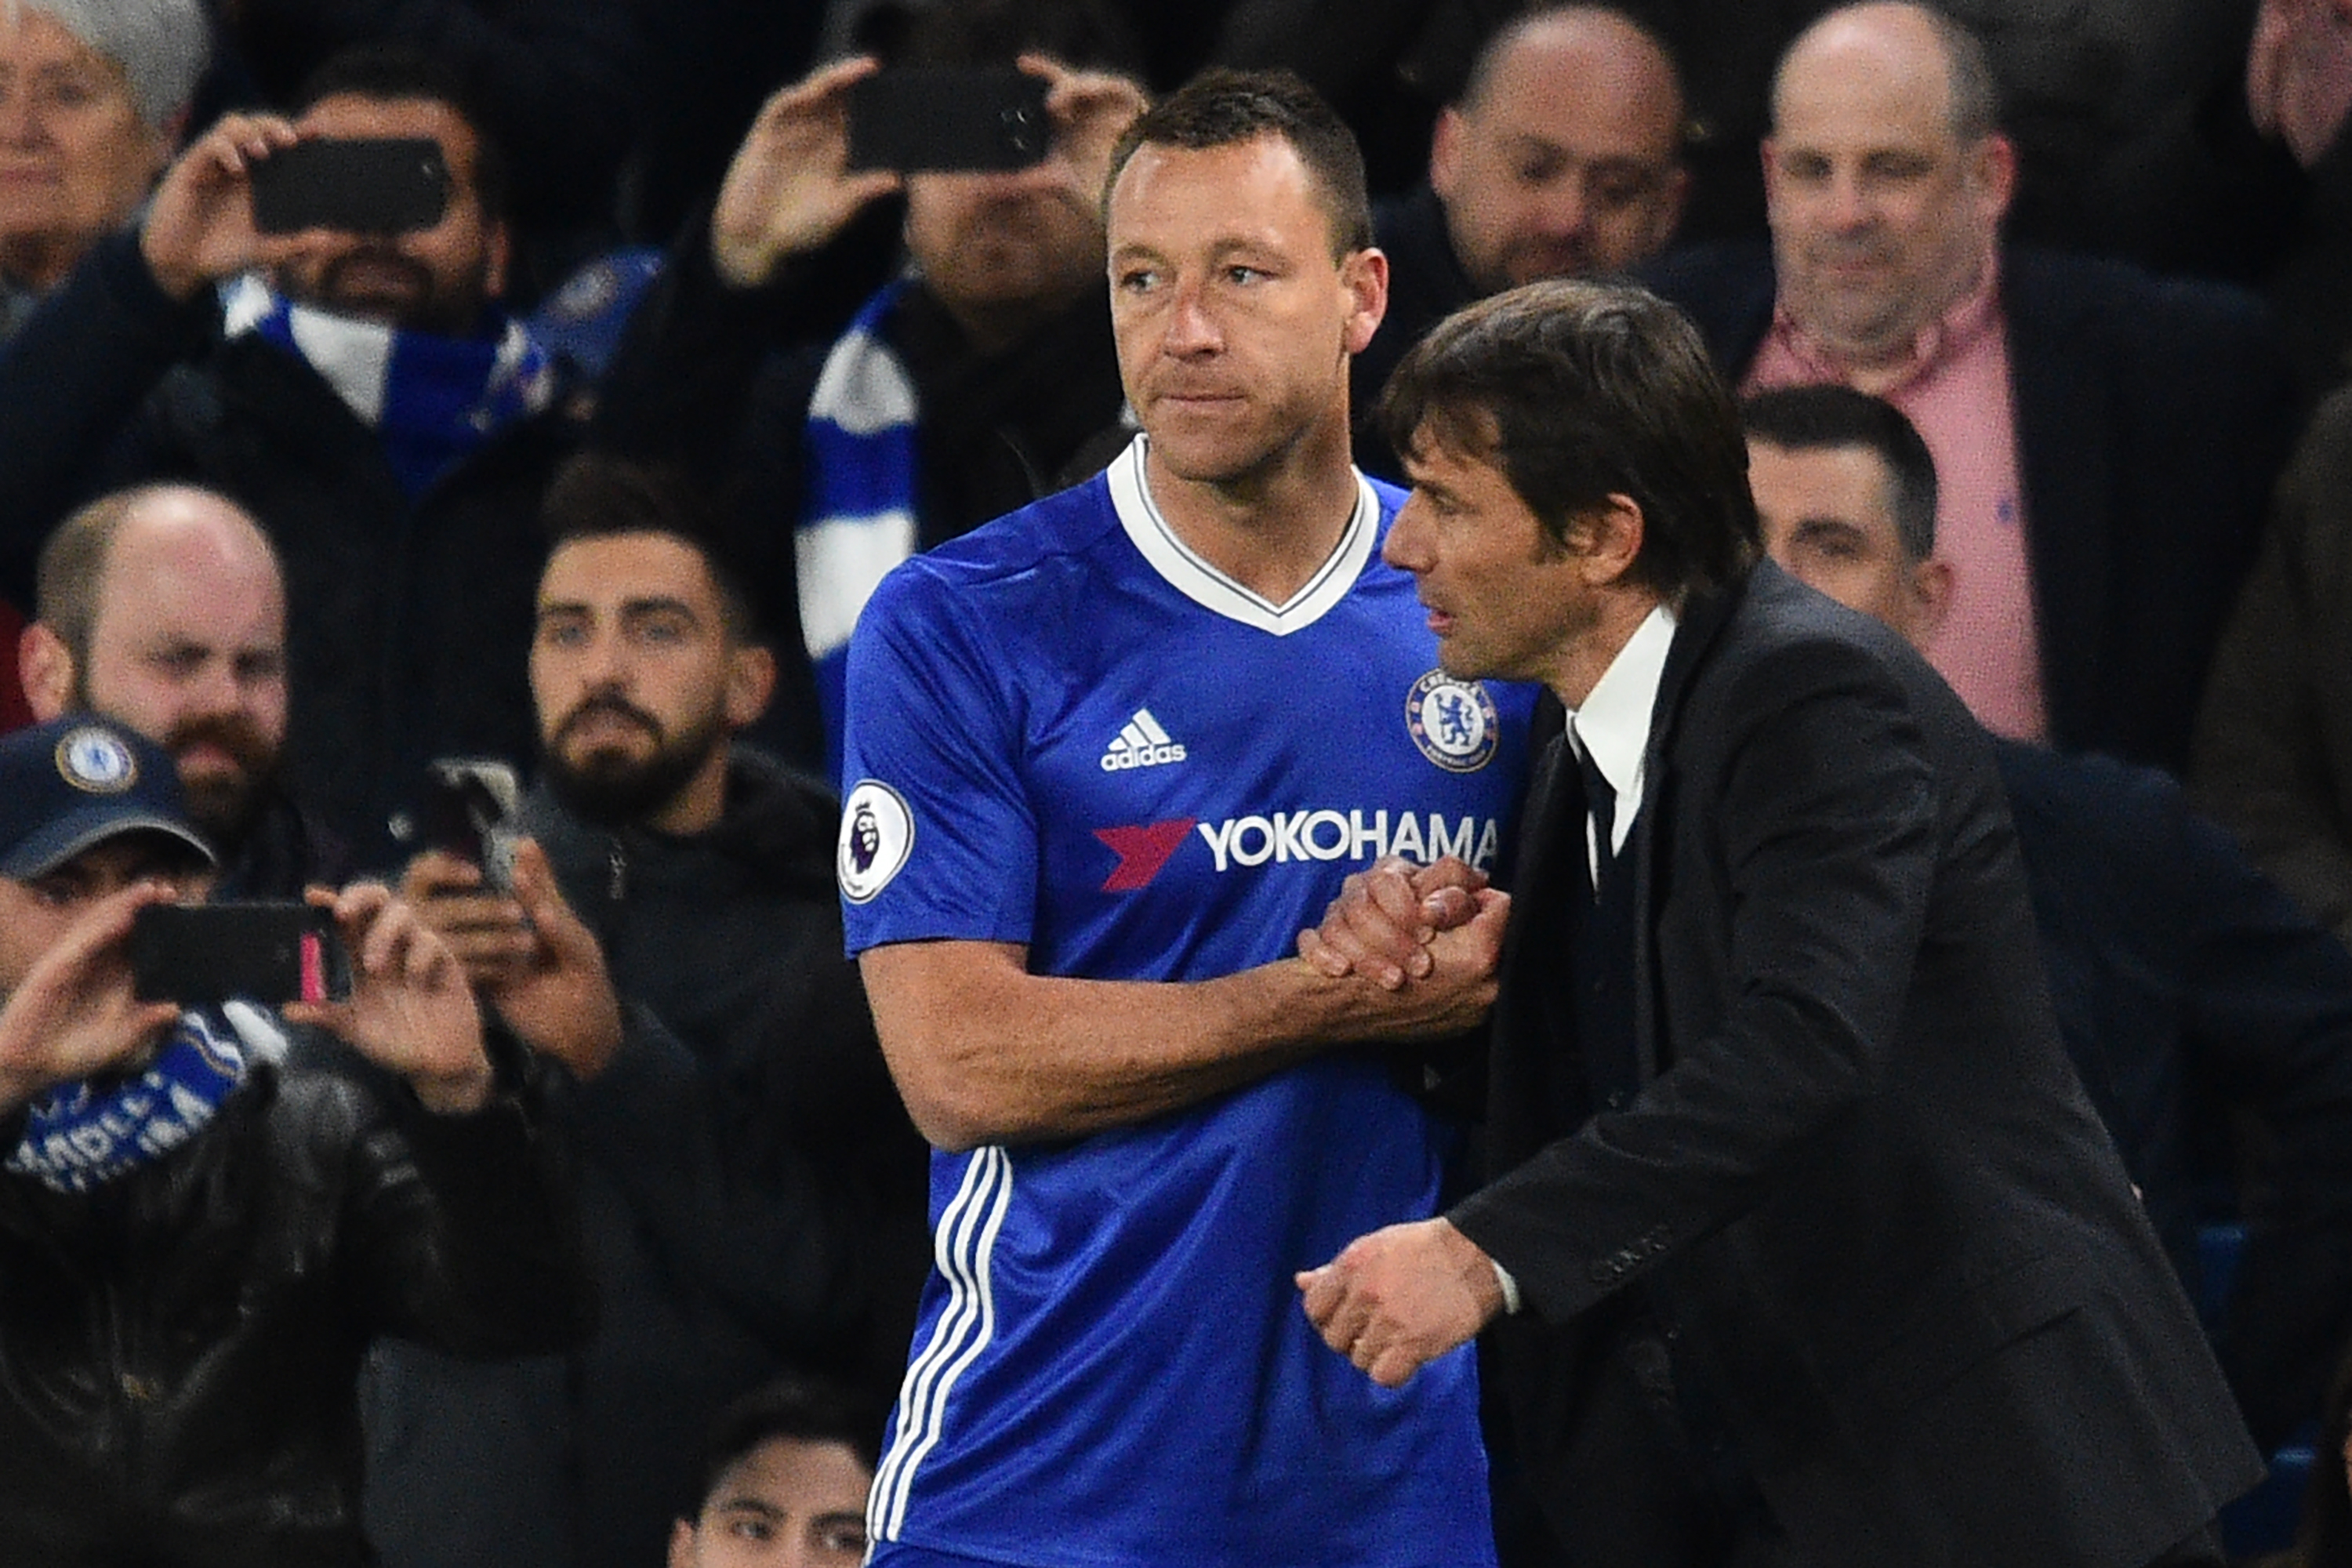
160, 46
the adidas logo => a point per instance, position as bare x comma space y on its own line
1142, 744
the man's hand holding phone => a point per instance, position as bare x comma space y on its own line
410, 1009
526, 951
790, 188
253, 191
1089, 112
75, 1012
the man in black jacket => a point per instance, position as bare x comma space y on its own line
362, 396
1801, 1242
197, 1242
754, 1191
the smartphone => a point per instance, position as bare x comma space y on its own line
359, 185
932, 119
199, 955
468, 810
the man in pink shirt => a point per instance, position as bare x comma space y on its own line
2105, 437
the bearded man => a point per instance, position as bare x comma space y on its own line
163, 607
754, 1191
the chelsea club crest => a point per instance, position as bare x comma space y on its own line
1453, 721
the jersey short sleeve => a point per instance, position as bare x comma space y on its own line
937, 832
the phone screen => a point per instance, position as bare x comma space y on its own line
929, 119
201, 955
358, 186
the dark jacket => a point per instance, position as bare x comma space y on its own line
2152, 416
2203, 1012
719, 379
408, 623
178, 1349
1852, 1175
2275, 737
752, 1192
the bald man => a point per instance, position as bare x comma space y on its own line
2105, 437
1563, 157
163, 609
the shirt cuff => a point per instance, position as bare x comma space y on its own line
1511, 1289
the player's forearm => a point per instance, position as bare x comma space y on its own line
986, 1053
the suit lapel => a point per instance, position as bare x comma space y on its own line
1697, 628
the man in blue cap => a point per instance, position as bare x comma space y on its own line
197, 1241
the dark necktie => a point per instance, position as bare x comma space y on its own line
1601, 802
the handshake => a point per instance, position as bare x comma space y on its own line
1430, 938
1400, 925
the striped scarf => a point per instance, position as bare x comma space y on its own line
858, 521
432, 400
79, 1136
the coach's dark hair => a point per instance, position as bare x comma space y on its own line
1578, 391
1829, 417
597, 495
805, 1409
388, 73
1228, 108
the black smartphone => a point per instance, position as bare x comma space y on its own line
934, 118
198, 955
467, 809
359, 185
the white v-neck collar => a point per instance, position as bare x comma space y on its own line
1183, 570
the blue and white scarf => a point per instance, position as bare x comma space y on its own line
857, 520
432, 400
76, 1138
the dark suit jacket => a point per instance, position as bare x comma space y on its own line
2152, 416
1858, 1177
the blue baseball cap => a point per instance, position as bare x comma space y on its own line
79, 781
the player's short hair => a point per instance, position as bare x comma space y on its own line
160, 46
805, 1409
601, 495
1828, 417
1228, 108
391, 73
1576, 391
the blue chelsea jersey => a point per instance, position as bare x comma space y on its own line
1068, 731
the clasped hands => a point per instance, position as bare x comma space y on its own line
1405, 1295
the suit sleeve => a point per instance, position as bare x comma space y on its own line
1821, 835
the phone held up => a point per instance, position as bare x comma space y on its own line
204, 954
468, 810
948, 120
355, 185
